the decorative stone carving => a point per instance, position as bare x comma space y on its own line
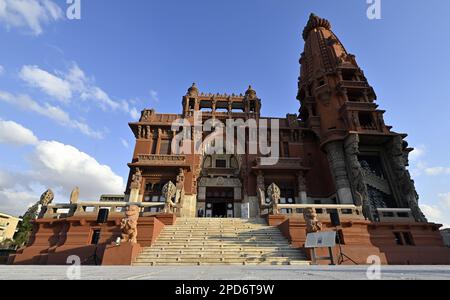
45, 200
75, 195
193, 91
250, 94
302, 189
136, 179
129, 224
312, 223
180, 186
147, 115
292, 120
336, 158
261, 189
301, 181
169, 191
180, 179
315, 22
403, 181
274, 193
356, 175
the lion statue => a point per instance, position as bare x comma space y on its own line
312, 223
129, 224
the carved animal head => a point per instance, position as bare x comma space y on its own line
47, 198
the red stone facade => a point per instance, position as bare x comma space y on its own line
336, 151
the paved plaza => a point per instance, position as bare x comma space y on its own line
223, 273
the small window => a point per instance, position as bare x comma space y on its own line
154, 142
286, 149
165, 147
95, 237
407, 237
221, 163
365, 119
398, 238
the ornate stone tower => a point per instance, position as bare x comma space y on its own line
367, 160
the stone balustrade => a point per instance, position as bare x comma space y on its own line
58, 211
323, 210
395, 215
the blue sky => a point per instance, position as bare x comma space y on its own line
68, 88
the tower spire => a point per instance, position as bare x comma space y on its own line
315, 22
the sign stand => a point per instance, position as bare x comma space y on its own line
326, 239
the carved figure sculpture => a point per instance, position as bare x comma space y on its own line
34, 211
403, 178
169, 191
75, 195
356, 175
312, 223
129, 224
260, 189
274, 194
136, 179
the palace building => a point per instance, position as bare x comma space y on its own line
337, 150
336, 155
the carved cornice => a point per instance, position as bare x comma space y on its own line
149, 160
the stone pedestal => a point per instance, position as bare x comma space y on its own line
134, 196
121, 255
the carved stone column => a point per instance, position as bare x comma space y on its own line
158, 142
356, 175
302, 188
135, 187
336, 158
403, 182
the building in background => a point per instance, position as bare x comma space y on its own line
8, 227
446, 236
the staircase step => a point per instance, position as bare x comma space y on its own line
220, 242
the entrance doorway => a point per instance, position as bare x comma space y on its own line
219, 203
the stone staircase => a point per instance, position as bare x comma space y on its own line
203, 241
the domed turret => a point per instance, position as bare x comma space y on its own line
193, 90
250, 94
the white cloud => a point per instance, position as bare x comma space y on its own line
418, 152
54, 113
64, 85
439, 212
125, 143
16, 134
2, 70
154, 96
65, 166
32, 14
48, 83
59, 167
435, 171
431, 212
445, 199
15, 202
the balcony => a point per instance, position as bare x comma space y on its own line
345, 212
395, 215
351, 84
91, 209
